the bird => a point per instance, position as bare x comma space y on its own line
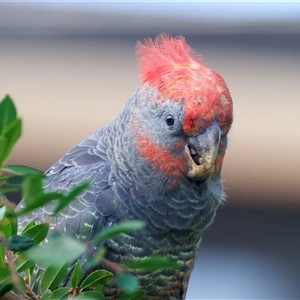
159, 161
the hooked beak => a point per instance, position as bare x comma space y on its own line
202, 151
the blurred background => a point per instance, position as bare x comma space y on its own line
70, 68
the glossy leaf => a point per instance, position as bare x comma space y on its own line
96, 278
32, 188
23, 263
4, 191
11, 218
15, 180
8, 112
60, 293
6, 229
2, 255
40, 201
9, 223
19, 243
22, 170
3, 146
37, 232
100, 288
64, 201
76, 275
53, 276
127, 283
57, 251
5, 287
47, 295
90, 295
93, 261
3, 179
4, 272
12, 133
28, 225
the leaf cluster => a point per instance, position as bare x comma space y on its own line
23, 251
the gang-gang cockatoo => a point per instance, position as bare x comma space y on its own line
160, 161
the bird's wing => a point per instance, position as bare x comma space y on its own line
92, 210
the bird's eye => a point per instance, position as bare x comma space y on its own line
169, 120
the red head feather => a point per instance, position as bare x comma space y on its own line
178, 74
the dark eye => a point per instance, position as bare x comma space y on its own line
170, 120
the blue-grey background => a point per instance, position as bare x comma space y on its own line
71, 67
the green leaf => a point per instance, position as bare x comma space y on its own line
47, 295
9, 225
96, 278
37, 232
127, 283
116, 230
66, 199
23, 263
5, 227
3, 179
20, 243
77, 275
100, 288
154, 263
39, 201
28, 226
58, 250
3, 146
12, 133
2, 212
4, 191
11, 219
60, 293
90, 295
22, 170
2, 255
5, 287
136, 295
93, 261
29, 272
15, 180
4, 272
8, 112
32, 188
53, 276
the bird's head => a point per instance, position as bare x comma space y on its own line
182, 113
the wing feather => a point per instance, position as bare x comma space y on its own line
84, 217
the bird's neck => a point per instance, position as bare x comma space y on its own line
148, 194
